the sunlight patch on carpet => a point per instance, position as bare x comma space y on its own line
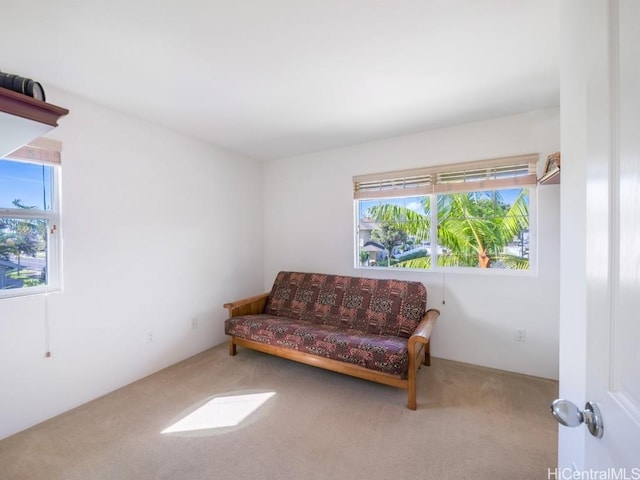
220, 412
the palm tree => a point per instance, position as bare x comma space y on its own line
389, 235
474, 228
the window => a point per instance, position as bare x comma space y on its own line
476, 215
29, 219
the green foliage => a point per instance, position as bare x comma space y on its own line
416, 224
417, 261
389, 235
18, 203
5, 243
474, 228
21, 236
477, 226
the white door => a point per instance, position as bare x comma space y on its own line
613, 234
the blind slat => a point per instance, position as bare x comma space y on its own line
373, 194
485, 185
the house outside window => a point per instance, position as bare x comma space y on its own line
463, 217
30, 220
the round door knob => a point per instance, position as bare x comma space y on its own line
569, 415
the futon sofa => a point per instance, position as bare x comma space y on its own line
369, 328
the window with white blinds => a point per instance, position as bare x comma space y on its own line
30, 219
472, 214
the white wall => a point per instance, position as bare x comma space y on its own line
309, 226
157, 229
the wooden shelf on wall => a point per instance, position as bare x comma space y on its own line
23, 119
550, 178
15, 103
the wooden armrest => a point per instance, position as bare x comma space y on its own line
423, 331
419, 344
247, 306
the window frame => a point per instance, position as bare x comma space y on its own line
49, 155
424, 183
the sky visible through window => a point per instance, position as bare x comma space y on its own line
415, 203
29, 183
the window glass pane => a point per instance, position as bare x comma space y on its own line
394, 232
507, 198
23, 252
485, 229
25, 185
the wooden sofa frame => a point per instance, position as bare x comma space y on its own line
418, 349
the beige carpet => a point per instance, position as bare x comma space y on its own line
471, 423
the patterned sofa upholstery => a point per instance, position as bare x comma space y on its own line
369, 328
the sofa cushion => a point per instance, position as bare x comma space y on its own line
373, 306
383, 353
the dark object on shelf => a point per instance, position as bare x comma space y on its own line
22, 85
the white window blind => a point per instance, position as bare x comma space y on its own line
460, 177
43, 151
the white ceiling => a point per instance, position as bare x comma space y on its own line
275, 78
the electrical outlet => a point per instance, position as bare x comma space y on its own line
149, 337
521, 335
194, 323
